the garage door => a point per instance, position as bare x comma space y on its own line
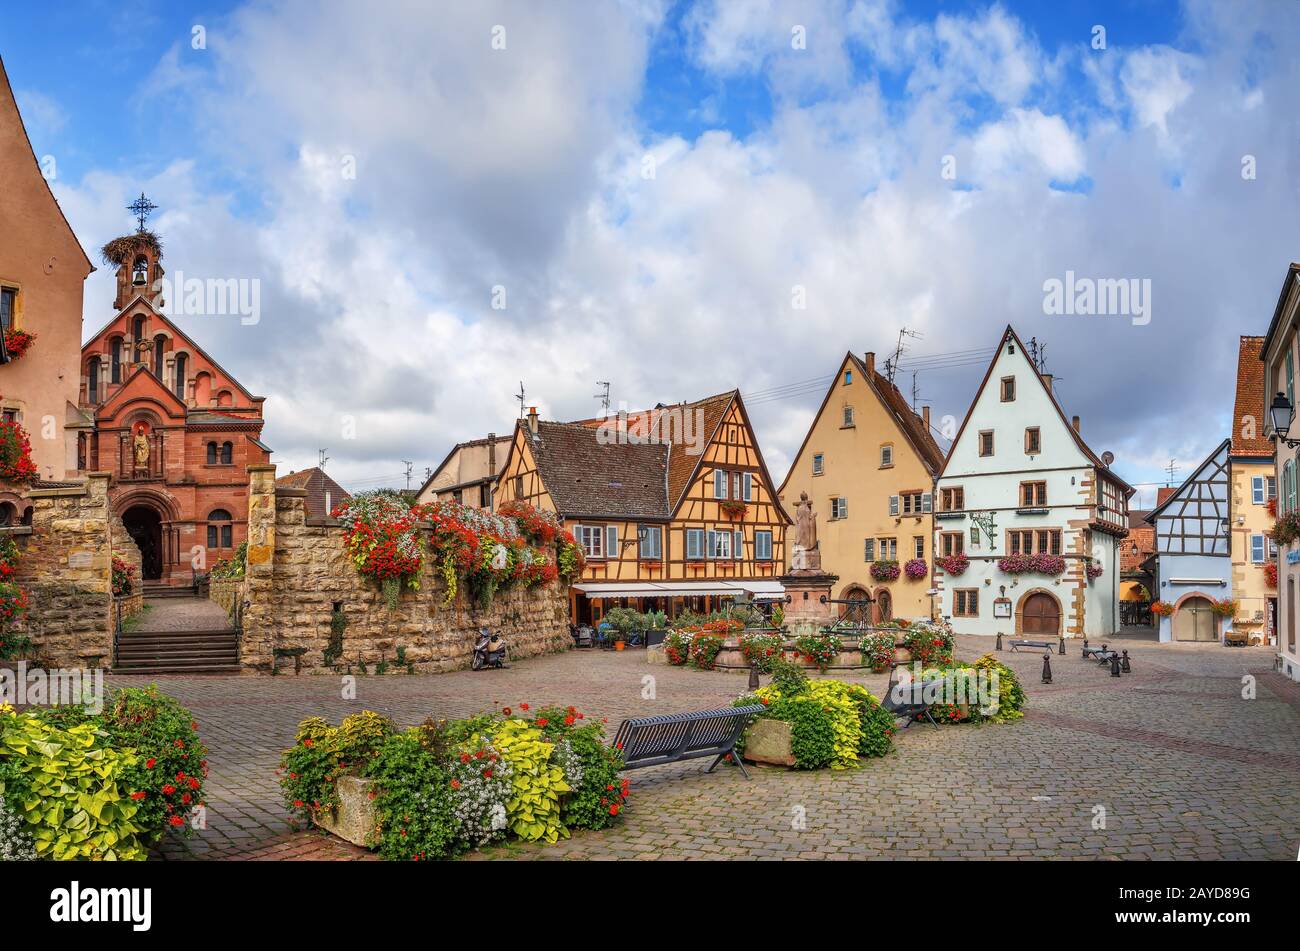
1195, 621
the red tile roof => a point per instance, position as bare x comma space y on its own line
317, 483
1137, 548
1248, 413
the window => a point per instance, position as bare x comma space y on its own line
953, 499
92, 381
743, 486
694, 544
868, 549
8, 304
1257, 549
819, 463
227, 454
848, 377
158, 343
1040, 541
650, 538
592, 540
966, 602
1033, 494
220, 535
888, 549
212, 454
762, 546
839, 507
1033, 441
137, 328
1272, 486
180, 375
519, 486
986, 443
918, 546
886, 456
950, 543
848, 416
1262, 488
115, 359
719, 483
913, 503
720, 545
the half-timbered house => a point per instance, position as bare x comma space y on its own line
1193, 552
1254, 494
674, 507
1028, 518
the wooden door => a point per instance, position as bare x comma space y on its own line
1195, 621
1041, 615
885, 605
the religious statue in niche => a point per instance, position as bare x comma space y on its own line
807, 555
140, 448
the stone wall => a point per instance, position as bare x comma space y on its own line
65, 567
226, 592
125, 548
298, 574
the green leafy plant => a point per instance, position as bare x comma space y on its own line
415, 817
534, 810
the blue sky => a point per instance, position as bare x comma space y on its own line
774, 168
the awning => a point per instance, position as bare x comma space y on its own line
761, 590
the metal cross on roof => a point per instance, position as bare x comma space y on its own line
142, 208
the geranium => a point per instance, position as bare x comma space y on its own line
16, 463
382, 542
1093, 570
930, 642
953, 564
820, 649
1041, 563
540, 528
1162, 608
759, 649
18, 342
1270, 574
123, 577
877, 650
884, 570
916, 568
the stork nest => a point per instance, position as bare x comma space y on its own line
121, 250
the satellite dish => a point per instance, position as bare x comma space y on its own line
1108, 457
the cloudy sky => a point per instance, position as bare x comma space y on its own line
441, 200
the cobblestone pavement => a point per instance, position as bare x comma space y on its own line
1173, 758
169, 615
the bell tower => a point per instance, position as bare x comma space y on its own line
138, 258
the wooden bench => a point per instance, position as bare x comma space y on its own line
654, 741
1047, 646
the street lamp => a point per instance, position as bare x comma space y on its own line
1281, 414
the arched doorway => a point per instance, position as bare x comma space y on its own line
1040, 614
144, 525
1194, 621
884, 605
853, 612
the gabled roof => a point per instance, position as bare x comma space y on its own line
1091, 456
110, 405
1175, 493
588, 477
1250, 401
9, 103
503, 445
1292, 278
317, 483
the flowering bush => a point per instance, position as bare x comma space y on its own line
832, 723
492, 553
1287, 528
123, 578
677, 647
1093, 570
16, 463
569, 557
930, 642
1042, 564
758, 649
704, 649
953, 564
884, 570
1270, 574
916, 568
540, 528
232, 567
1224, 608
1162, 608
381, 540
18, 342
878, 650
13, 601
819, 649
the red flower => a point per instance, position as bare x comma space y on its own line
168, 789
568, 721
194, 784
523, 706
186, 798
137, 796
613, 810
176, 821
297, 803
179, 744
487, 774
149, 763
506, 711
542, 721
464, 757
455, 784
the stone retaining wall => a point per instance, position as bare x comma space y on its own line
226, 591
298, 574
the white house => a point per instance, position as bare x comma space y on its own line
1193, 557
1035, 513
1280, 355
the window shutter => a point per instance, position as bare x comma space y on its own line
868, 549
1257, 548
693, 543
719, 484
712, 543
1257, 490
611, 541
927, 502
893, 505
738, 546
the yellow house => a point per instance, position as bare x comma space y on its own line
1251, 466
868, 465
673, 507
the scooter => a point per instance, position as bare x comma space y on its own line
489, 651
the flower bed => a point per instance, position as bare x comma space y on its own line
760, 648
878, 650
77, 785
447, 786
382, 541
956, 689
929, 642
884, 570
832, 724
1041, 564
123, 578
818, 649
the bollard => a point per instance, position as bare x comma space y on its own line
753, 676
998, 646
1114, 665
1062, 649
1084, 655
1047, 668
1124, 666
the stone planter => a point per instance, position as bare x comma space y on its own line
355, 818
768, 742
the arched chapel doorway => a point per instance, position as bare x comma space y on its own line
144, 525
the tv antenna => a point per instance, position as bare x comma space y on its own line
521, 397
321, 458
603, 396
408, 463
891, 364
1172, 469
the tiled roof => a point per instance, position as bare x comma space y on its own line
317, 483
1163, 493
913, 426
1248, 414
588, 477
1137, 548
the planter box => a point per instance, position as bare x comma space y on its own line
768, 741
355, 819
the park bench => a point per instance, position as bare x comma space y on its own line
1092, 652
654, 741
910, 709
1047, 646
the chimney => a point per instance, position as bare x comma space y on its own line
532, 421
492, 453
1074, 421
869, 358
1047, 381
925, 416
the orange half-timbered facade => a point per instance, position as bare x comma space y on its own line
674, 507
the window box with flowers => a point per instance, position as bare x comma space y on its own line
1040, 564
1093, 570
733, 508
1225, 608
1270, 574
1162, 608
18, 342
884, 570
916, 569
953, 564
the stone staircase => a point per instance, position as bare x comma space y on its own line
157, 589
187, 652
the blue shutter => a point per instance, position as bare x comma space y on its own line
738, 546
749, 487
611, 541
1257, 548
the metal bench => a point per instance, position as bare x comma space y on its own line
654, 741
1047, 646
1092, 652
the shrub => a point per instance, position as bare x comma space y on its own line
381, 541
821, 649
1011, 695
534, 810
677, 647
788, 678
415, 817
832, 723
123, 578
761, 649
16, 463
704, 649
590, 767
877, 649
930, 642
